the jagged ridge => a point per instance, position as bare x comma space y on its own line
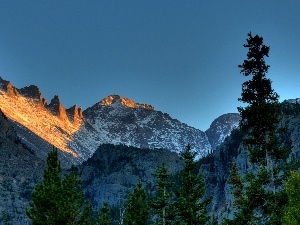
114, 119
28, 108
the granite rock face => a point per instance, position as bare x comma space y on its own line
116, 99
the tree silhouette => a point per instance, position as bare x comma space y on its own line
262, 196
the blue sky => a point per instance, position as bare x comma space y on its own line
179, 56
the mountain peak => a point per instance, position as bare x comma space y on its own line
33, 92
221, 127
8, 87
57, 108
75, 113
117, 100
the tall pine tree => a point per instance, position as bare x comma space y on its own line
74, 202
45, 207
57, 200
162, 201
136, 207
259, 119
263, 195
190, 205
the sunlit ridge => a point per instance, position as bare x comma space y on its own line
39, 120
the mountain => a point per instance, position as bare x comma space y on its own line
221, 128
29, 126
114, 119
119, 120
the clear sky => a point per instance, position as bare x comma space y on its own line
179, 56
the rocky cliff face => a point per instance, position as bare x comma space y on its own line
8, 88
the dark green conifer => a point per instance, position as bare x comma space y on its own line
86, 217
162, 200
191, 208
237, 184
57, 200
262, 195
45, 207
259, 119
104, 217
136, 207
74, 200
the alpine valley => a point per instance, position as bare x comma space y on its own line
114, 143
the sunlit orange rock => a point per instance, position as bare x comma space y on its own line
26, 106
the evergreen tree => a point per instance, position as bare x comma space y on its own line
263, 195
191, 208
243, 214
74, 200
259, 119
56, 200
292, 210
45, 207
161, 203
136, 207
238, 186
104, 217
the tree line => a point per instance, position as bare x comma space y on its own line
60, 199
